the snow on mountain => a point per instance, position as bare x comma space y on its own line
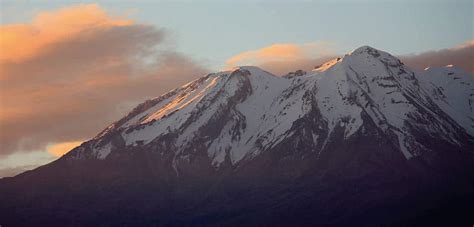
239, 113
453, 91
388, 91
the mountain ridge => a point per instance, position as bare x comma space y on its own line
192, 93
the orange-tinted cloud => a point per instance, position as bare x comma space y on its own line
71, 72
461, 56
283, 58
22, 41
59, 149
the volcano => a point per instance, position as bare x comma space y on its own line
361, 140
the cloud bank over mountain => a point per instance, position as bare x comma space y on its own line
68, 72
461, 56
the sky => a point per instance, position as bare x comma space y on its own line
205, 29
68, 69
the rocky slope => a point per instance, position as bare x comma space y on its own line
361, 139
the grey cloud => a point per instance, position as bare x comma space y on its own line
462, 56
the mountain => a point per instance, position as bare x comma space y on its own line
359, 140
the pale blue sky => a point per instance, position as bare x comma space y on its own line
213, 31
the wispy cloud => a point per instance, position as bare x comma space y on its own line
282, 58
16, 163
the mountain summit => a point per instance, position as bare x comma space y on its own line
361, 139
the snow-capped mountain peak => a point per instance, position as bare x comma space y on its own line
237, 114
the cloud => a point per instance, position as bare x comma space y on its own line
460, 56
69, 73
282, 58
18, 162
59, 149
26, 40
